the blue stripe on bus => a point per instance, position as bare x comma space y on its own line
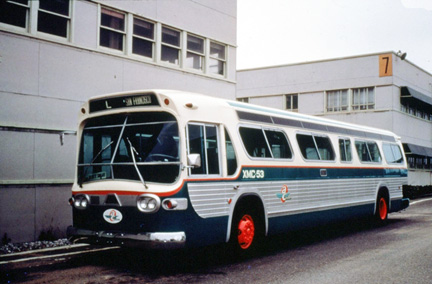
309, 173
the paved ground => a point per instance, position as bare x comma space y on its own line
353, 252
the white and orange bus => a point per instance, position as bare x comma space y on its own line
169, 169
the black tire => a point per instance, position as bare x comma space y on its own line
247, 232
382, 208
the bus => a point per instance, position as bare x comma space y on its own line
169, 169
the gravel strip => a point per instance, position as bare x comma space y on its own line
20, 247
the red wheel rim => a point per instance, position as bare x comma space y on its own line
246, 231
382, 207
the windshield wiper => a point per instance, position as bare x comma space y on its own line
133, 150
94, 159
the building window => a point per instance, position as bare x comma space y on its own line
112, 29
217, 58
170, 51
53, 17
337, 100
143, 38
14, 12
195, 52
291, 102
363, 98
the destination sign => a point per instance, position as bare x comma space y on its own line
123, 102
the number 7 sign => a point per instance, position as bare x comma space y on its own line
385, 65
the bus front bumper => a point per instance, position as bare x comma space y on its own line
154, 240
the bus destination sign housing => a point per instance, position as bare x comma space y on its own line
123, 102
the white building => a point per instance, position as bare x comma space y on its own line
381, 90
54, 55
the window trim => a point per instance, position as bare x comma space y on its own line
358, 107
350, 107
123, 33
153, 41
316, 147
392, 146
344, 138
367, 147
221, 161
225, 131
32, 20
201, 55
263, 129
223, 60
179, 48
291, 108
339, 107
68, 22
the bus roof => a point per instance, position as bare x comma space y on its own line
256, 113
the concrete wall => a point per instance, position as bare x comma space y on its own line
44, 80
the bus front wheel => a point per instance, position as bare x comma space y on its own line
246, 232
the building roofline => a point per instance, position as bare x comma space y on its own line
329, 60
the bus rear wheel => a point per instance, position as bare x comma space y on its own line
382, 209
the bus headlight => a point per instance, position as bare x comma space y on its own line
80, 201
148, 203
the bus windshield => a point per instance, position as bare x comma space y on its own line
141, 147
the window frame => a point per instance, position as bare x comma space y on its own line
218, 145
227, 134
267, 143
68, 19
366, 143
123, 32
201, 55
153, 40
344, 139
362, 92
338, 96
392, 149
293, 101
178, 48
217, 59
28, 8
317, 149
32, 21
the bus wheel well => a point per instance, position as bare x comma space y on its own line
385, 192
252, 202
248, 225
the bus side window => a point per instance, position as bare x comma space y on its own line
392, 153
203, 140
255, 142
345, 149
278, 144
230, 155
315, 147
368, 151
307, 147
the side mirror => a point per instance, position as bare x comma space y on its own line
194, 160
